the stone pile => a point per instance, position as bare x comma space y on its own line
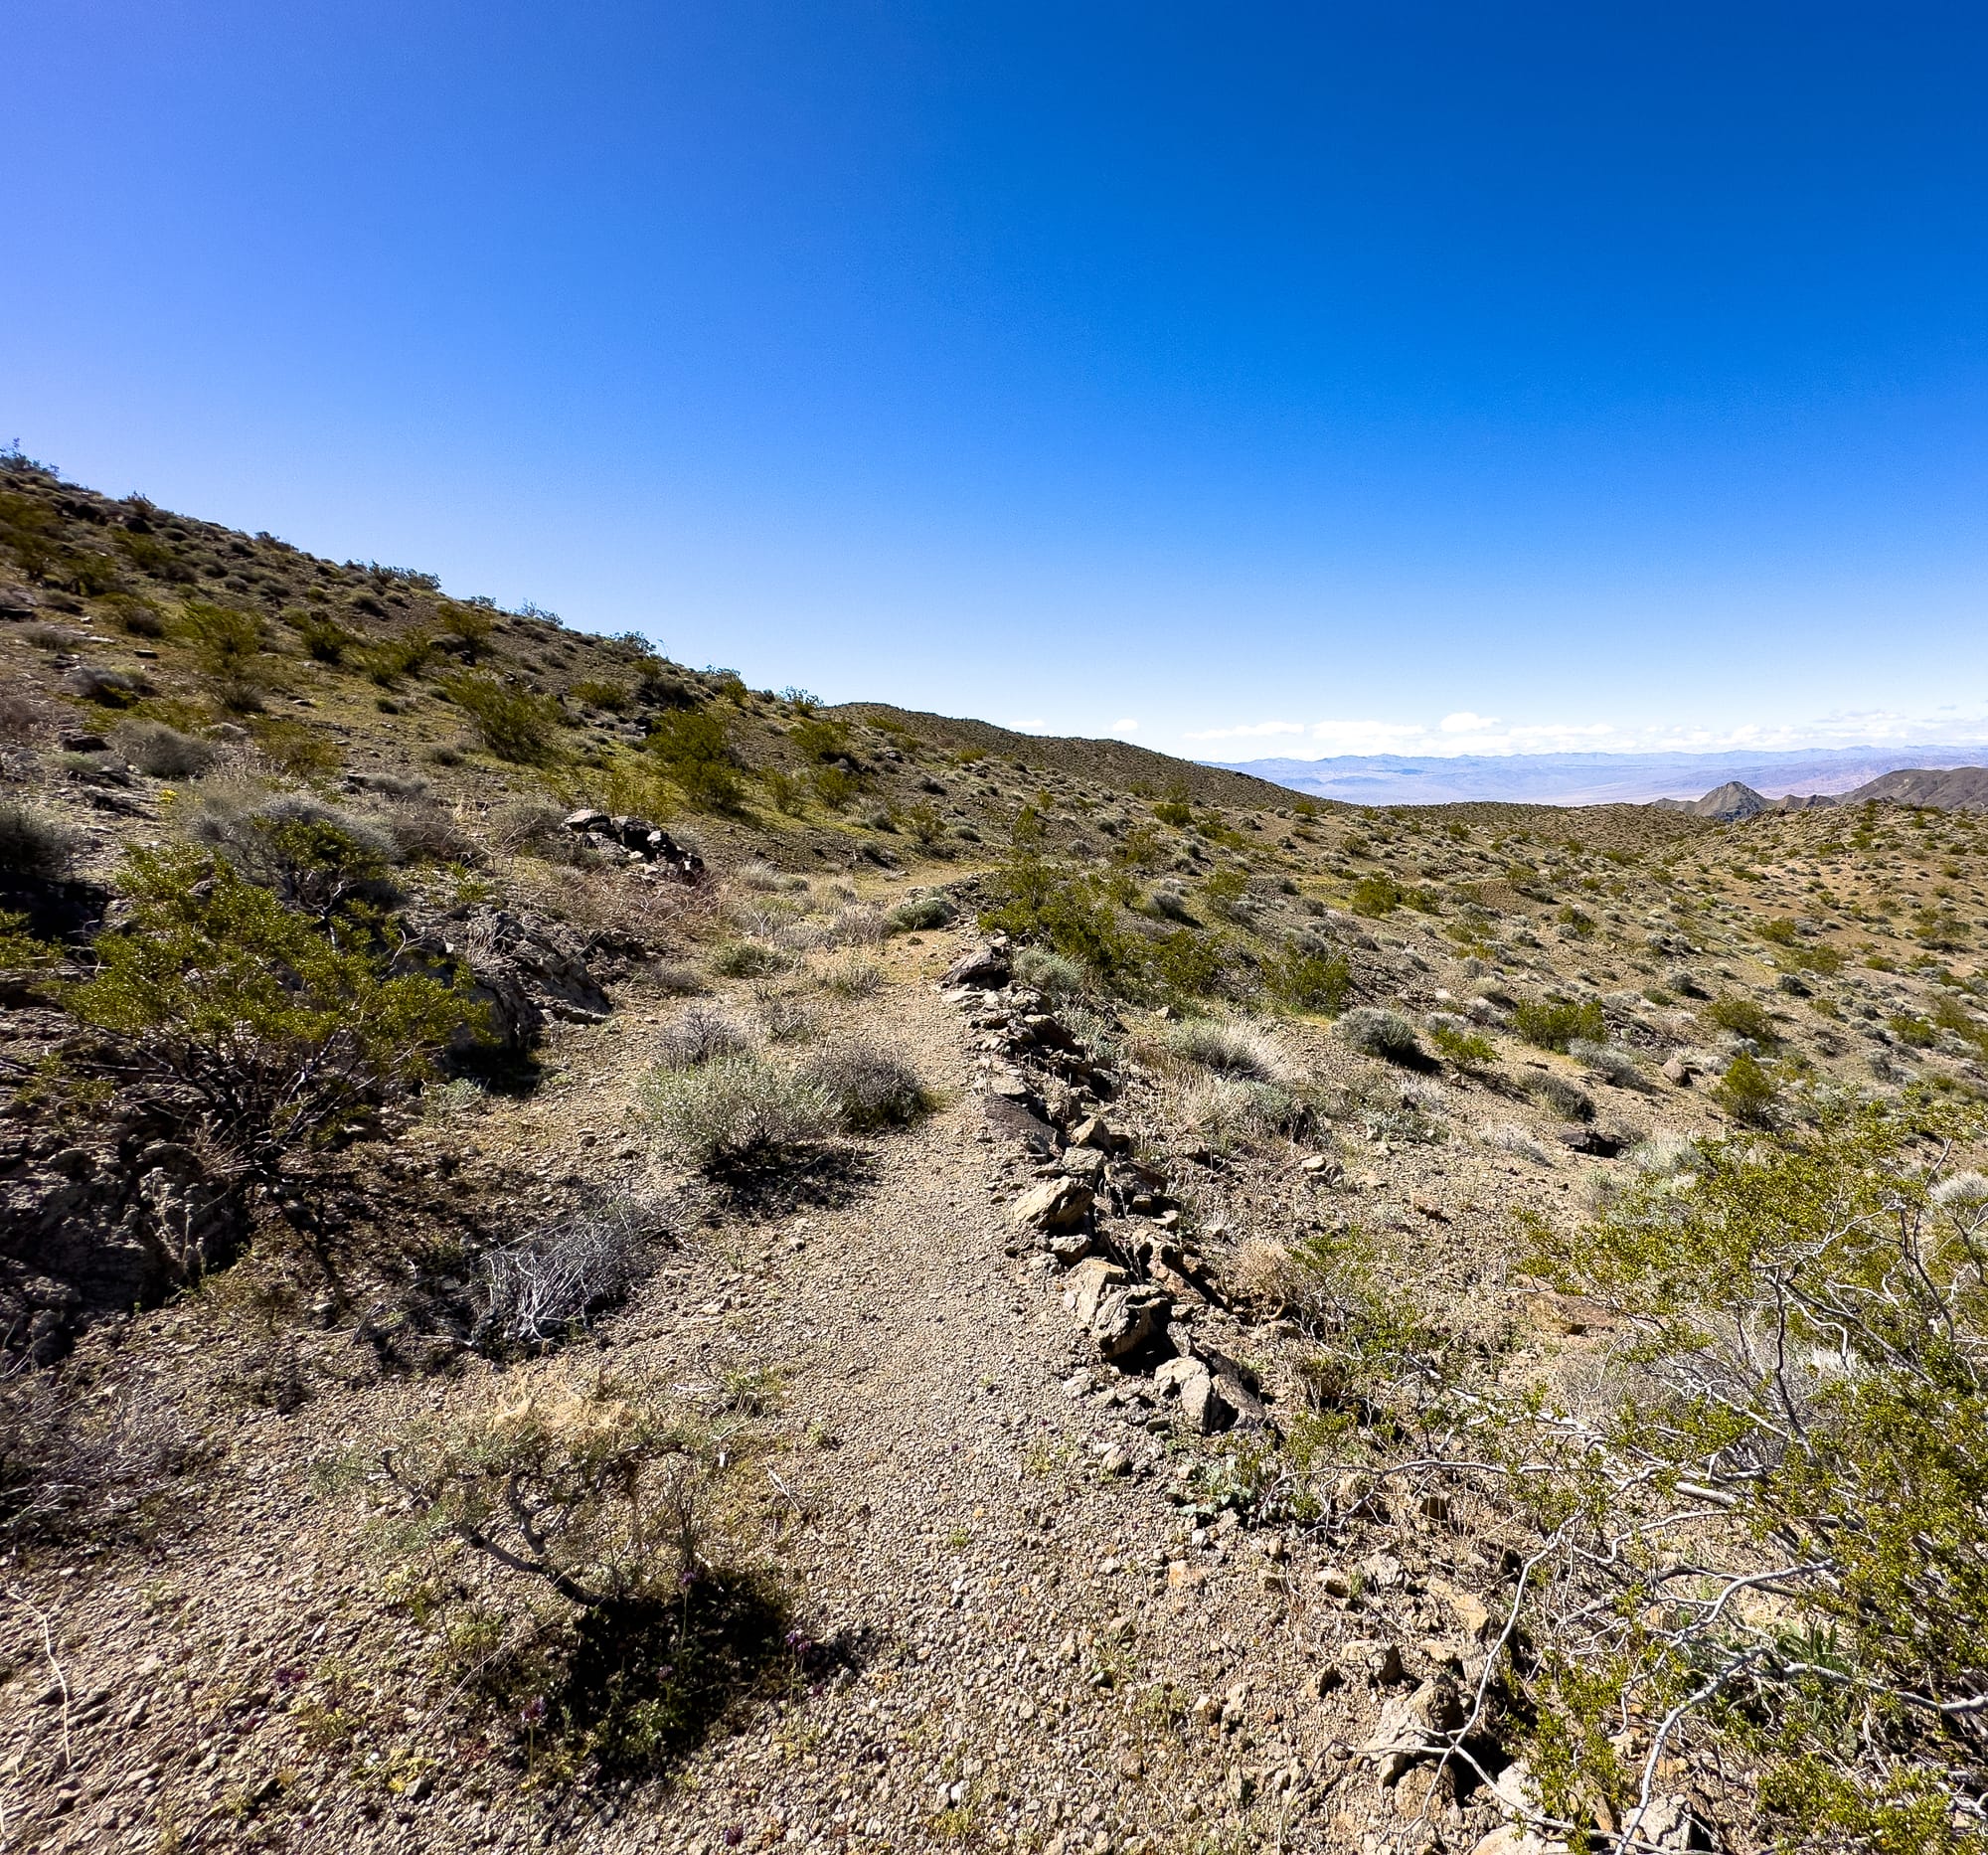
1097, 1211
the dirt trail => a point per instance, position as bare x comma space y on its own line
1026, 1634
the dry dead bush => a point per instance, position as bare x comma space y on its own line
539, 1291
80, 1461
696, 1035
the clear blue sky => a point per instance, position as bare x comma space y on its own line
1322, 369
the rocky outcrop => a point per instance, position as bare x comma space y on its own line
523, 971
636, 840
104, 1220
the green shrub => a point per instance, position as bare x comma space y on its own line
1174, 811
1553, 1024
917, 913
1748, 1093
1067, 911
694, 747
388, 661
155, 556
1310, 980
225, 646
612, 697
1469, 1051
276, 1027
836, 789
1184, 963
324, 638
747, 959
1838, 1465
1375, 896
783, 790
20, 947
512, 722
468, 626
1581, 926
136, 614
820, 736
1744, 1016
923, 823
294, 746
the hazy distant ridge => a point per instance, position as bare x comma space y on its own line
1590, 779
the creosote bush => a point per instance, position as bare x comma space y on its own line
1748, 1093
273, 1026
1764, 1530
1742, 1017
693, 748
1555, 1023
512, 722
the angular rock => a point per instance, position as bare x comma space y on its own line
1171, 1373
1069, 1247
1203, 1402
1129, 1318
1090, 1281
1095, 1133
1085, 1165
1377, 1662
1013, 1118
1054, 1205
985, 967
1411, 1725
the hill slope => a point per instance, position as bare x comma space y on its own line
562, 1293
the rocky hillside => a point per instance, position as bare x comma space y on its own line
592, 1257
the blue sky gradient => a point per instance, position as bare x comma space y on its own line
1578, 376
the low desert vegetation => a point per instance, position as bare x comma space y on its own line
1545, 1244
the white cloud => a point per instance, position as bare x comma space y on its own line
1463, 721
1369, 736
1127, 727
1246, 730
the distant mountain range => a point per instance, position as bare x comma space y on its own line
1590, 779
